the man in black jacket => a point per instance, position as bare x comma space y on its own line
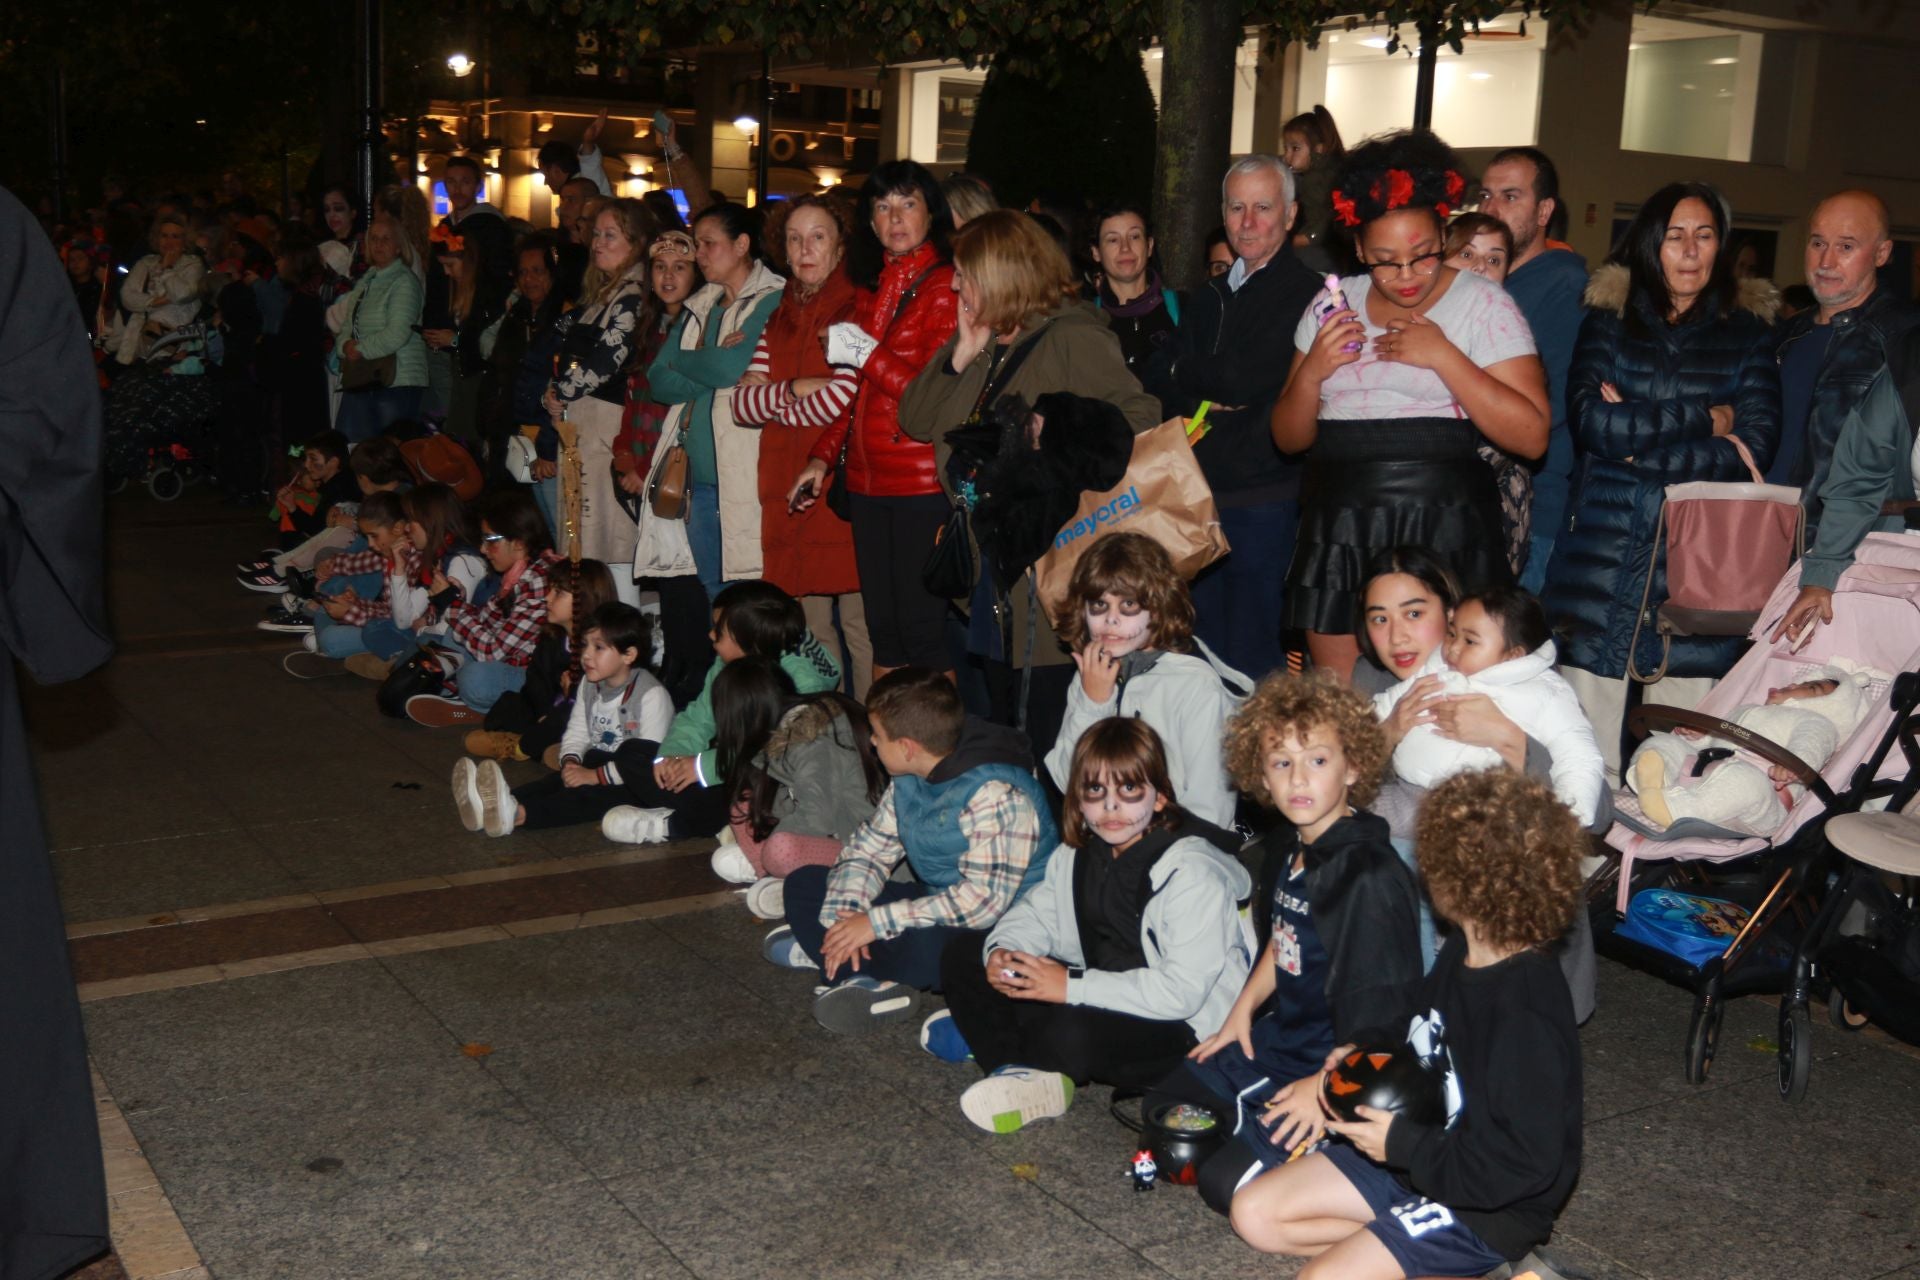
1232, 354
1830, 355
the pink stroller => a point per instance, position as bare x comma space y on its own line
1876, 626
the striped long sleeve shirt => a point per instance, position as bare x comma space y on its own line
773, 403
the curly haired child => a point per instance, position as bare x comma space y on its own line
1336, 912
1129, 622
1395, 1197
528, 721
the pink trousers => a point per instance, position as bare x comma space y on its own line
781, 853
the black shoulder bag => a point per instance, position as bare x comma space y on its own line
953, 562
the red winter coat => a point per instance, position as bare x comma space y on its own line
882, 462
810, 552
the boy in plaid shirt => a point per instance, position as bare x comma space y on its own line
966, 813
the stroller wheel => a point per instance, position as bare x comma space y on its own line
117, 484
1796, 1052
165, 484
1841, 1015
1703, 1036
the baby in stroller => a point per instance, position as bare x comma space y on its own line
1810, 718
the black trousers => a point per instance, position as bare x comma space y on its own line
686, 621
1079, 1041
550, 802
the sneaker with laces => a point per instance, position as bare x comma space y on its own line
466, 795
767, 898
630, 824
730, 864
289, 621
262, 580
437, 711
1014, 1097
861, 1003
369, 667
780, 948
496, 798
494, 744
259, 564
942, 1039
306, 665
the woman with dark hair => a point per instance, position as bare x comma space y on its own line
340, 249
1394, 393
1672, 380
900, 257
716, 343
519, 363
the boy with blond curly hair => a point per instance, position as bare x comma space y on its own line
1336, 913
1395, 1197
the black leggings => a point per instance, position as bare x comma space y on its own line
891, 539
549, 802
1076, 1040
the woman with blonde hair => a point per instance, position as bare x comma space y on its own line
162, 291
1024, 337
602, 338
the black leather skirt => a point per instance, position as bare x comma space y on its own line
1377, 483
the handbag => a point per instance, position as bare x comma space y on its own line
427, 670
953, 562
667, 492
358, 374
837, 495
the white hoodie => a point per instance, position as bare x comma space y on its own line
1528, 692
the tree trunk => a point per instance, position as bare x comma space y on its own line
1198, 39
1424, 78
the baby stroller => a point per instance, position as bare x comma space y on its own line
159, 417
1770, 876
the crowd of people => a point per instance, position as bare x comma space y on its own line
719, 546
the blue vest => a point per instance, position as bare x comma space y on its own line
928, 816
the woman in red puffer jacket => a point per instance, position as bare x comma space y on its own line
896, 504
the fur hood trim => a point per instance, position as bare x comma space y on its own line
806, 723
1610, 286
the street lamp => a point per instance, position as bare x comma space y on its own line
460, 64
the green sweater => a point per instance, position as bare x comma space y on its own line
691, 376
386, 306
810, 667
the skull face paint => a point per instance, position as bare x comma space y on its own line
1119, 813
1118, 625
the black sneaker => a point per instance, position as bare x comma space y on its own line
246, 568
302, 581
286, 620
265, 580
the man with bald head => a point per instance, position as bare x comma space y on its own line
1830, 355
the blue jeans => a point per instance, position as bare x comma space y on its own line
1551, 488
384, 639
1236, 602
480, 684
1428, 948
336, 639
703, 531
912, 956
546, 496
365, 414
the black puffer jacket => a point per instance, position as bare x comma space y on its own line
1669, 378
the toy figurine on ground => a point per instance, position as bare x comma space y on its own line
1144, 1170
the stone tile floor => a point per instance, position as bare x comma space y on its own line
648, 1097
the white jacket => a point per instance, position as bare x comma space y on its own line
1528, 692
1198, 953
409, 599
1185, 699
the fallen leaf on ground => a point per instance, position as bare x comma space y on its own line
475, 1049
1026, 1172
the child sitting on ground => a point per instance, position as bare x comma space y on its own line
525, 722
1810, 719
1113, 965
493, 640
615, 727
802, 771
1462, 1197
438, 542
750, 618
1336, 912
967, 816
340, 617
301, 506
1498, 644
376, 466
1129, 623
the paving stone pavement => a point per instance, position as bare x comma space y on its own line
649, 1098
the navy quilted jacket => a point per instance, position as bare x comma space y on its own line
1669, 378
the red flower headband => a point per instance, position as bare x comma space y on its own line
1398, 195
448, 240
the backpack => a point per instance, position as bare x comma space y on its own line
428, 669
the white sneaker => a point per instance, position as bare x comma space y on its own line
730, 864
310, 642
496, 798
1013, 1097
726, 836
466, 795
767, 898
629, 824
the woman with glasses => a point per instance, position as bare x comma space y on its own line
1392, 394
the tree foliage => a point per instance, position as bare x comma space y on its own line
1087, 130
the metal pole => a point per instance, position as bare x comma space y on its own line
57, 118
766, 118
371, 140
1423, 83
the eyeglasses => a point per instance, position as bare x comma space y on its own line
1424, 265
492, 537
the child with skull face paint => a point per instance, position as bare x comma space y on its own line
1129, 622
1112, 966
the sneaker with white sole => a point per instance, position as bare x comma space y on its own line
307, 665
287, 620
1014, 1097
496, 798
466, 795
437, 711
941, 1038
767, 898
730, 863
861, 1003
262, 580
726, 835
630, 824
780, 948
310, 642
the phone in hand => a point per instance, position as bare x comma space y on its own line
1329, 303
801, 497
662, 124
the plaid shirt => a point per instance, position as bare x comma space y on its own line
352, 564
506, 628
1002, 830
